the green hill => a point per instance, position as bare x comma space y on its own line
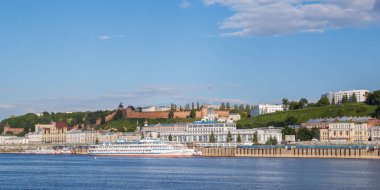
298, 116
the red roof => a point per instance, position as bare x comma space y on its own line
60, 124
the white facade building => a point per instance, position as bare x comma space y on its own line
81, 137
34, 138
16, 140
4, 137
374, 133
265, 108
199, 132
336, 97
264, 134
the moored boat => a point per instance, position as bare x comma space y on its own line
146, 147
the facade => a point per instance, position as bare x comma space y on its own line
374, 133
200, 132
4, 137
81, 137
16, 140
130, 136
336, 97
264, 134
11, 130
104, 136
265, 109
34, 138
324, 122
55, 132
350, 132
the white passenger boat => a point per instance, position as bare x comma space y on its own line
147, 147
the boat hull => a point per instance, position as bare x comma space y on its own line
145, 155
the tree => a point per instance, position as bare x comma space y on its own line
304, 134
324, 101
373, 98
171, 114
222, 106
291, 120
212, 137
272, 141
354, 99
287, 131
254, 138
345, 99
192, 106
229, 137
170, 137
293, 105
119, 114
238, 138
193, 114
285, 103
198, 107
142, 136
303, 103
97, 141
228, 107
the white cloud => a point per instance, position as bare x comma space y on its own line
108, 37
276, 17
185, 4
5, 106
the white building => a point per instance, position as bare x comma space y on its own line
81, 137
16, 140
265, 108
4, 137
336, 97
264, 134
34, 138
200, 132
374, 133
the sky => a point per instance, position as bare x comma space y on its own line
84, 55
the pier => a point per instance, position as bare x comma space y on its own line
353, 152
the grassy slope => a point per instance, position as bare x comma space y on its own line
357, 109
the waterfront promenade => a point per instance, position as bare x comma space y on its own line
343, 152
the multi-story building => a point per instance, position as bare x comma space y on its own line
34, 138
336, 97
55, 132
16, 140
200, 132
81, 137
265, 109
352, 132
324, 122
4, 137
374, 133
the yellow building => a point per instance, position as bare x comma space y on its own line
345, 132
55, 132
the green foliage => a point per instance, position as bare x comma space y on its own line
119, 114
303, 103
170, 137
354, 99
254, 138
238, 138
212, 137
229, 137
281, 119
287, 131
344, 99
324, 101
272, 141
377, 112
293, 105
285, 103
193, 114
305, 134
222, 106
373, 98
171, 114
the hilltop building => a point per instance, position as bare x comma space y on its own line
336, 97
10, 130
265, 109
351, 132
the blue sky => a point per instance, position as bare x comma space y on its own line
89, 55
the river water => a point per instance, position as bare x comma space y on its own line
85, 172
